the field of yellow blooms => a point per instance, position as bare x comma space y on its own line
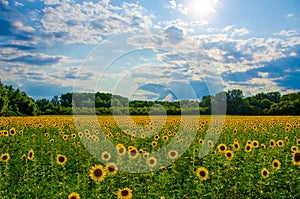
48, 157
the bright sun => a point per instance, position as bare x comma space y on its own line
201, 8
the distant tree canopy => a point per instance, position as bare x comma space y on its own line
14, 102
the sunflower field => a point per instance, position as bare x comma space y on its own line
55, 157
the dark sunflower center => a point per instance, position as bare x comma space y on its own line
105, 156
297, 157
236, 146
124, 193
30, 154
248, 147
265, 173
275, 164
202, 173
255, 144
152, 161
61, 159
280, 143
98, 172
222, 148
173, 154
4, 157
73, 197
228, 154
121, 150
111, 169
272, 143
133, 152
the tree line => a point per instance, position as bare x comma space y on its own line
13, 102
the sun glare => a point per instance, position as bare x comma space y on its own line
201, 8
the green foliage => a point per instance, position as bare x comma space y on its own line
14, 102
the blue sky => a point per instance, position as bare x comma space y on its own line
149, 49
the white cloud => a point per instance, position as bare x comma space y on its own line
290, 15
228, 28
173, 4
287, 33
232, 31
4, 2
240, 31
21, 26
18, 3
89, 22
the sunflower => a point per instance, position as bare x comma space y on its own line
210, 143
249, 142
124, 193
151, 162
105, 156
280, 143
163, 168
173, 154
156, 137
146, 155
229, 155
248, 148
111, 168
133, 153
74, 196
121, 149
255, 144
276, 164
4, 157
73, 135
66, 137
294, 148
222, 148
165, 138
12, 131
296, 158
5, 133
264, 173
30, 154
61, 159
97, 173
263, 146
236, 146
154, 144
202, 173
287, 139
272, 143
201, 141
23, 157
298, 141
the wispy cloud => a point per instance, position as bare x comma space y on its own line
287, 33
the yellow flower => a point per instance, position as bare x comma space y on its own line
97, 173
264, 173
74, 196
124, 193
4, 157
61, 159
202, 173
